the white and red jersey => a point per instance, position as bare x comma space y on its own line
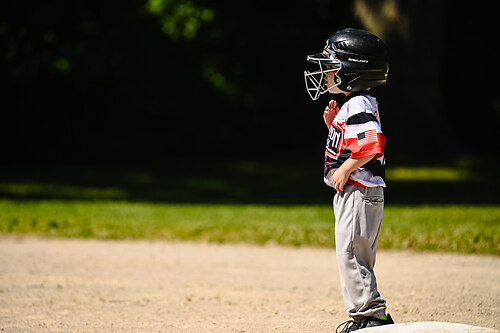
356, 132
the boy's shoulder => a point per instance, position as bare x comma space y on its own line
361, 103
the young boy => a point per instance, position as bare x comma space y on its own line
352, 62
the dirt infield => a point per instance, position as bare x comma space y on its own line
128, 286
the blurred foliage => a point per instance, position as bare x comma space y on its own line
180, 18
383, 17
157, 79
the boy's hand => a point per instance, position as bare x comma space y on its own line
330, 112
342, 174
339, 178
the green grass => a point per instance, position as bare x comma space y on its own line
465, 229
450, 207
218, 223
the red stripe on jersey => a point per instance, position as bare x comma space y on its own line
353, 182
329, 154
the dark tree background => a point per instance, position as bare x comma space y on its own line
107, 81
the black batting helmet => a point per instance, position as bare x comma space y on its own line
358, 57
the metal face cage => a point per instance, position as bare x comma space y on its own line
316, 84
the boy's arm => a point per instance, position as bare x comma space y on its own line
341, 175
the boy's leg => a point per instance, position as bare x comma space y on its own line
358, 217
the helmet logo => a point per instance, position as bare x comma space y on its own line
358, 60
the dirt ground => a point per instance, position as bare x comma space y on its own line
54, 285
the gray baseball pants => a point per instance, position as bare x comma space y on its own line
358, 217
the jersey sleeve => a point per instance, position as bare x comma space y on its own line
363, 133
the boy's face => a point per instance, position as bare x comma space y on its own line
330, 80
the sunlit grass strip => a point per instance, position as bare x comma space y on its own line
440, 174
466, 229
220, 223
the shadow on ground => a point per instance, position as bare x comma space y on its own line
224, 182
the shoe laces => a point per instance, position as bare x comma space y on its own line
347, 327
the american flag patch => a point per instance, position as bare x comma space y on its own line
367, 136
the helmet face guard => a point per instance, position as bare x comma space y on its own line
316, 84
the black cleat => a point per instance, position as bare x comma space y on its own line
373, 322
364, 322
